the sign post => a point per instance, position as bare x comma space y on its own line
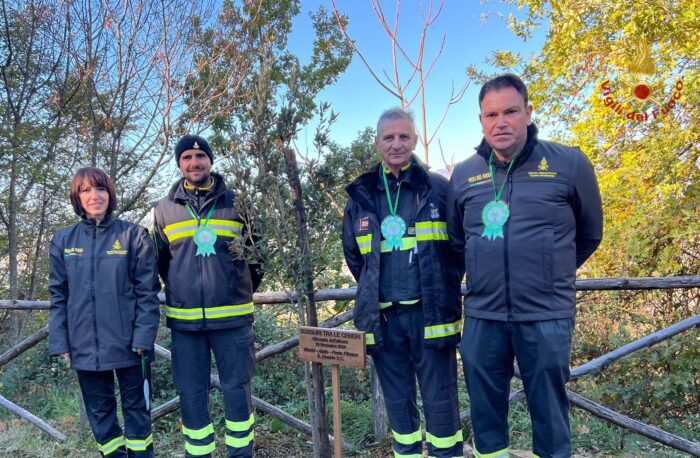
336, 347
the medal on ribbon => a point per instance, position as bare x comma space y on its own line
494, 216
204, 236
393, 227
496, 213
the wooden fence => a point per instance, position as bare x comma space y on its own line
591, 367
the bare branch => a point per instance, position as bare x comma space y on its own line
359, 54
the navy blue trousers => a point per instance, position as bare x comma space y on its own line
234, 352
402, 358
542, 350
97, 388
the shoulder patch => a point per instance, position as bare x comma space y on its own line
364, 224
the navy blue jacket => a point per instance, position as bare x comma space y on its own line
555, 224
104, 294
212, 292
439, 271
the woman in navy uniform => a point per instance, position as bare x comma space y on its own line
104, 313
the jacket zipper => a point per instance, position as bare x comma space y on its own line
199, 264
506, 254
92, 293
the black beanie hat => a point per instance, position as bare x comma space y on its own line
192, 142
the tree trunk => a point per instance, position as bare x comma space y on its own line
12, 240
36, 270
317, 411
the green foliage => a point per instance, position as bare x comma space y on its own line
648, 174
356, 418
659, 383
278, 379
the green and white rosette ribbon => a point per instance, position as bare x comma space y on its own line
496, 213
494, 216
393, 227
204, 236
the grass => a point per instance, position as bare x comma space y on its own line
591, 437
55, 398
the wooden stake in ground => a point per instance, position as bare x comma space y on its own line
338, 348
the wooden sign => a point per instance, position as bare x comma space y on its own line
332, 346
338, 348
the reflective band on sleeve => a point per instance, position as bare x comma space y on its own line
139, 445
403, 455
407, 243
198, 434
431, 230
240, 442
444, 442
443, 330
223, 311
240, 425
369, 338
111, 446
503, 453
407, 439
364, 243
200, 450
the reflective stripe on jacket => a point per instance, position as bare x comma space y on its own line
203, 292
439, 269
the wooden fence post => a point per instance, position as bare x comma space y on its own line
378, 407
84, 425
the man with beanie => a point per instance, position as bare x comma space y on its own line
209, 297
408, 290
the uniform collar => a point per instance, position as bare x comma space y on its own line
179, 193
103, 224
364, 188
190, 187
405, 175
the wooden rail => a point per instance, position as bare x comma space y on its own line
348, 294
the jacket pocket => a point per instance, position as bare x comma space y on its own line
547, 256
531, 273
471, 264
245, 355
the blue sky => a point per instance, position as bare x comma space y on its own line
469, 41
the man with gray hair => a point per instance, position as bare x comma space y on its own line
408, 294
